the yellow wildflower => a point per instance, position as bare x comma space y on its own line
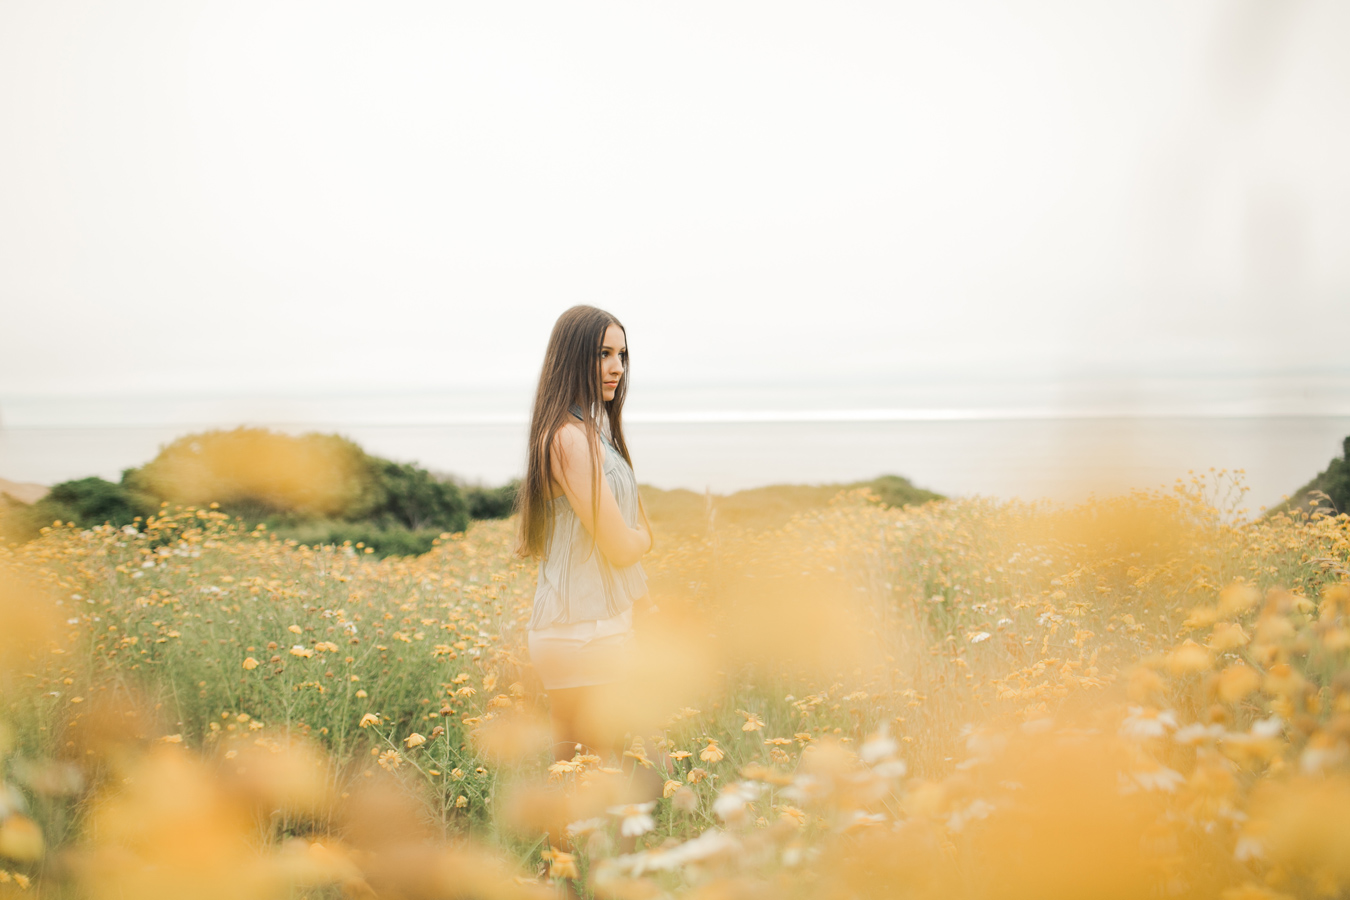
560, 864
1228, 637
21, 838
1237, 681
1189, 657
638, 751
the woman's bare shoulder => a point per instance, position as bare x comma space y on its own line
570, 436
569, 443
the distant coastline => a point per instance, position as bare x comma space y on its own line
23, 491
1049, 437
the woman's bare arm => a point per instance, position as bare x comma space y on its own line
573, 471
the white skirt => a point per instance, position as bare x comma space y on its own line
582, 654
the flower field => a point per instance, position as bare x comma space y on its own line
1144, 695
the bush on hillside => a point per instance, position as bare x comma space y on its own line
314, 488
381, 540
1330, 490
83, 501
310, 476
94, 501
286, 480
410, 497
492, 503
894, 490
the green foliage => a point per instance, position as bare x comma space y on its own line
305, 476
324, 489
492, 503
1329, 491
411, 498
84, 501
383, 540
93, 501
893, 490
315, 489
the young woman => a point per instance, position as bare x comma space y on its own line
580, 516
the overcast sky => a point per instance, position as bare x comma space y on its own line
243, 195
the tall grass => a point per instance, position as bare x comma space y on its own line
1143, 694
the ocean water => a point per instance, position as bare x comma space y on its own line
1042, 439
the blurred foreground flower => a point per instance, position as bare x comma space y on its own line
21, 839
170, 828
315, 475
560, 864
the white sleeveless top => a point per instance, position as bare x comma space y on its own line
576, 582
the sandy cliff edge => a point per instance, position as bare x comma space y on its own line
25, 492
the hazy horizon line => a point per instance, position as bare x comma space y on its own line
729, 417
917, 378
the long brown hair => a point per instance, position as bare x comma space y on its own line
569, 382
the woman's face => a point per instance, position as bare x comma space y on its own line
613, 360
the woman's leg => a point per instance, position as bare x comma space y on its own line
574, 720
573, 723
573, 715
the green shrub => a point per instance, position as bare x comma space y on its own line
412, 498
91, 501
83, 501
309, 476
1330, 489
492, 503
893, 490
303, 484
384, 540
